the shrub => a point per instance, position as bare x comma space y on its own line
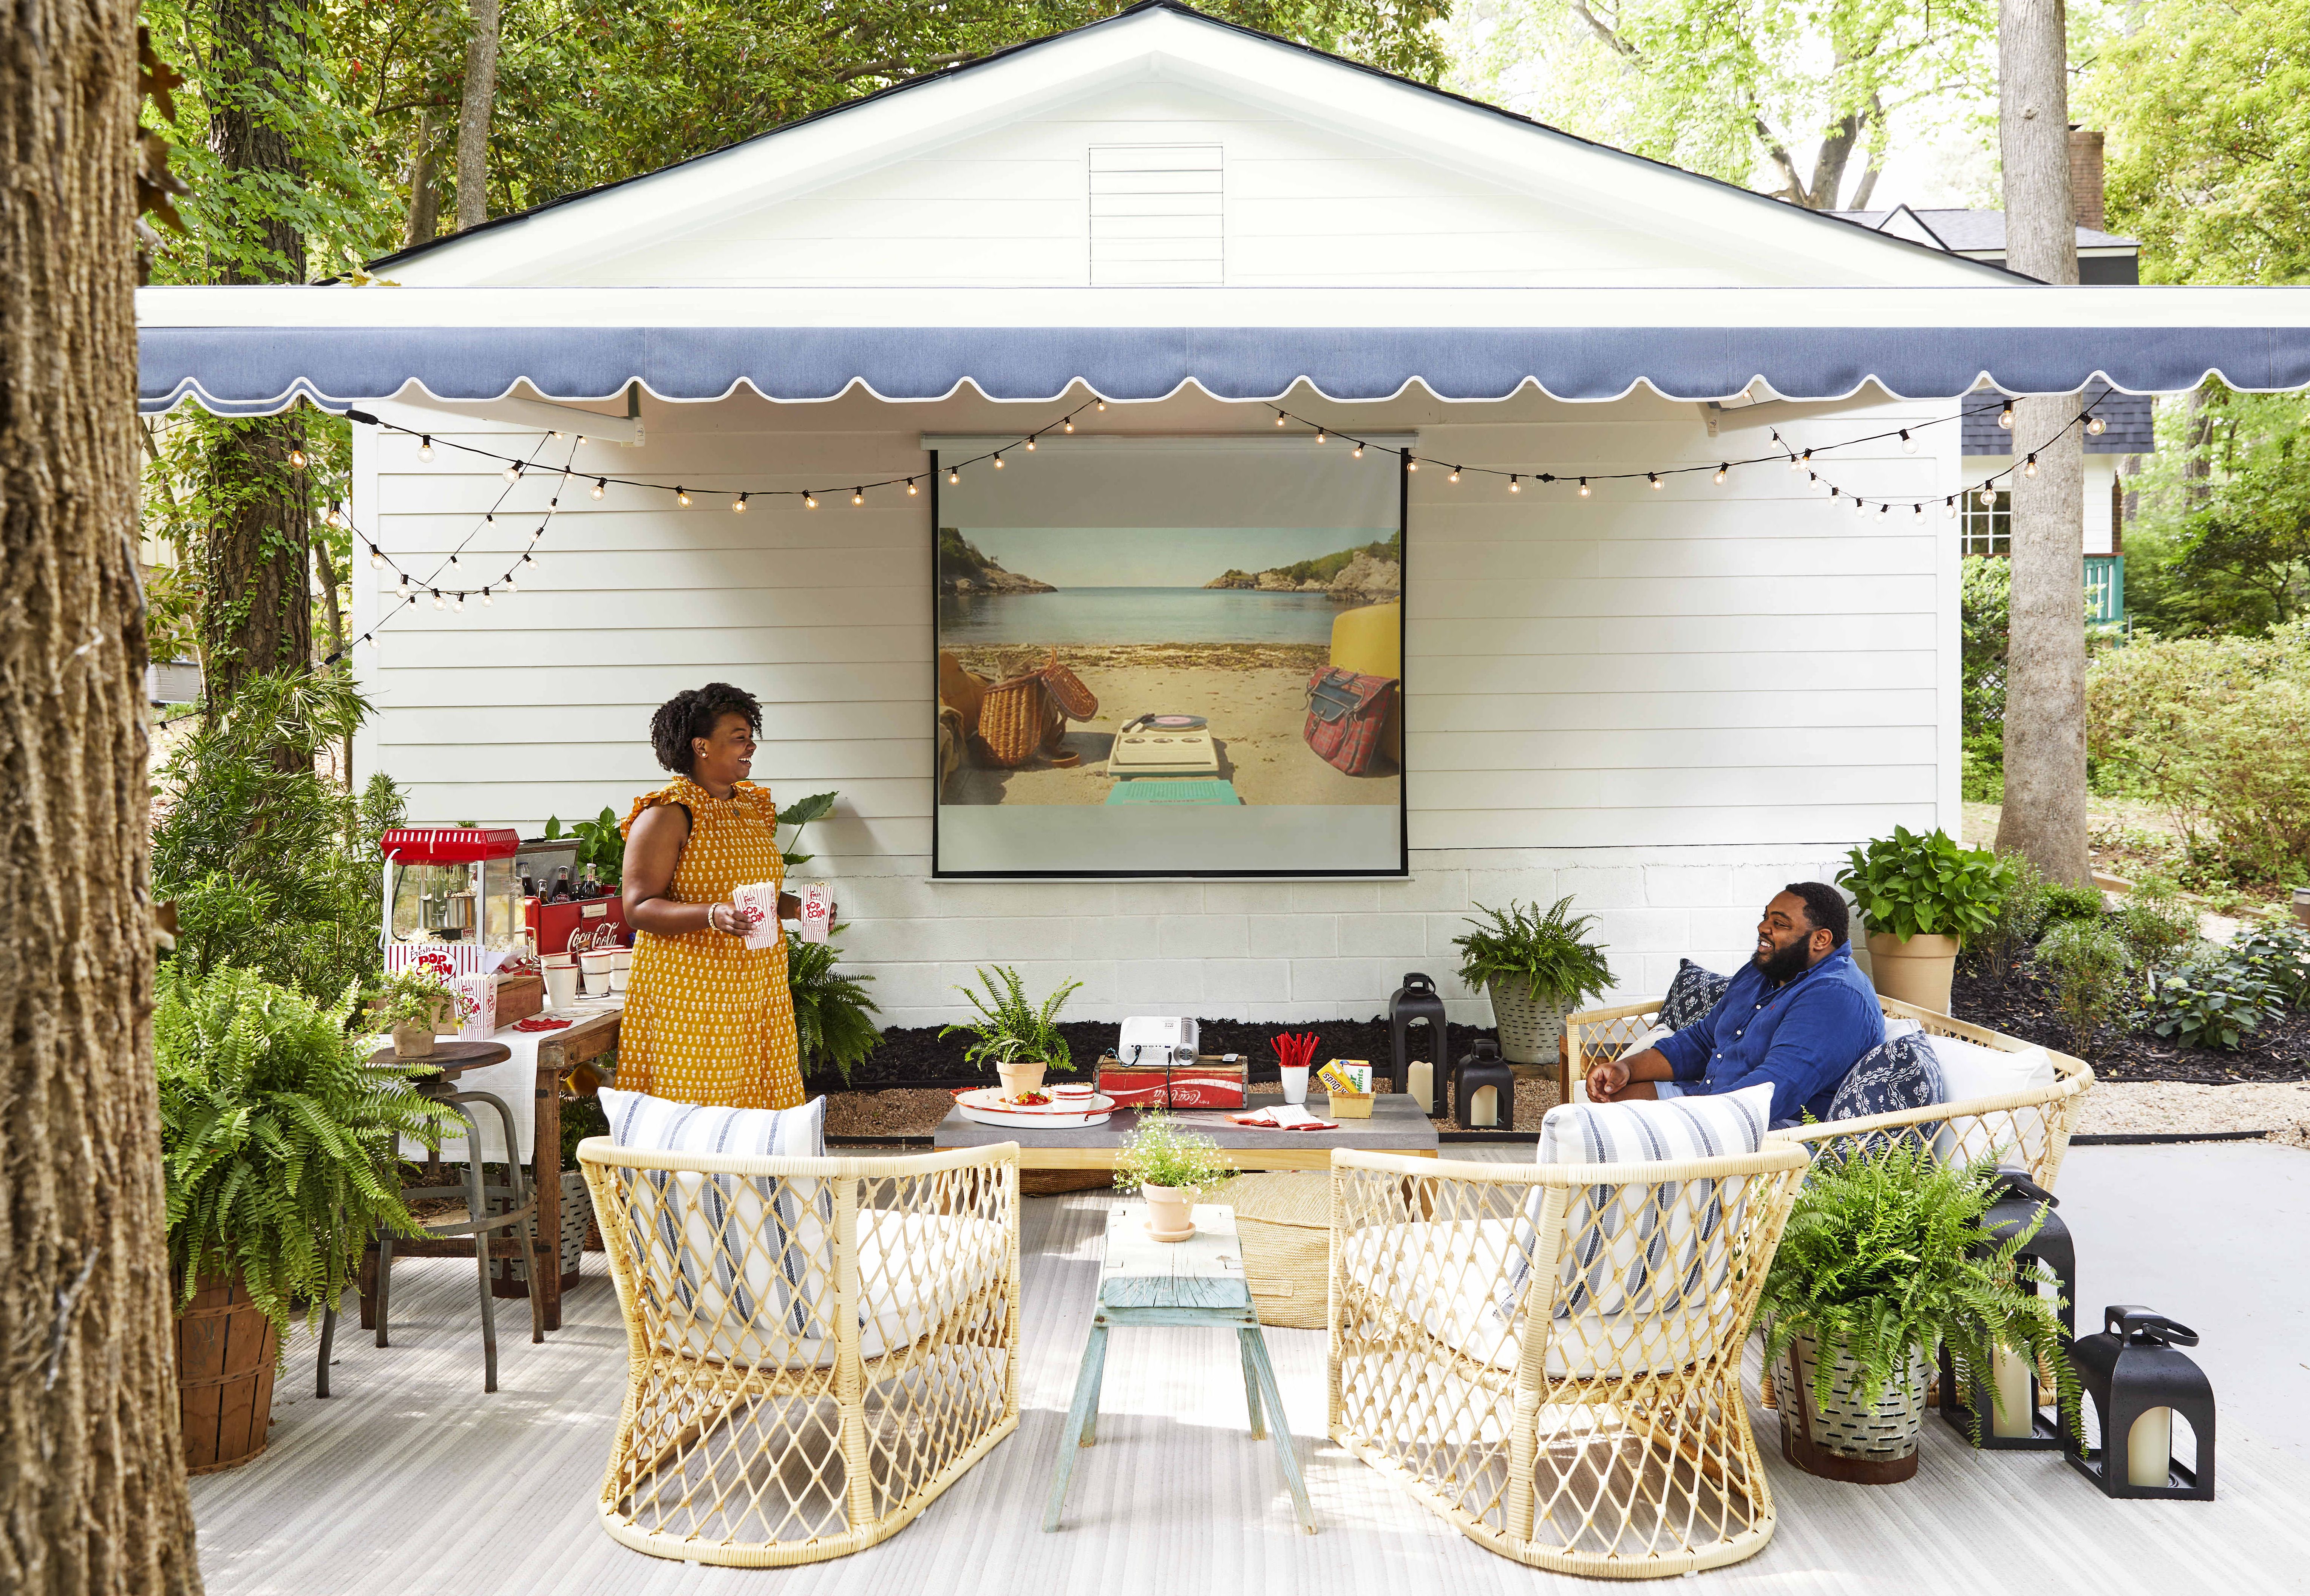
2089, 962
2020, 916
1548, 953
1985, 605
2283, 952
2157, 923
1912, 885
2217, 1002
2215, 729
1984, 768
2065, 902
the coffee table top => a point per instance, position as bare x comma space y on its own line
1203, 1271
1396, 1126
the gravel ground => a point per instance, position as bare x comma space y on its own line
2168, 1108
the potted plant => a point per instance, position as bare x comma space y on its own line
416, 1005
1019, 1040
275, 1128
1168, 1166
1884, 1258
1921, 898
1536, 968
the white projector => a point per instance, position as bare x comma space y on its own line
1157, 1039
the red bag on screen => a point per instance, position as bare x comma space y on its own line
1346, 713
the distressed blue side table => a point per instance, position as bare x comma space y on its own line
1197, 1281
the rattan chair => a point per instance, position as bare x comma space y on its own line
2030, 1128
818, 1347
1549, 1356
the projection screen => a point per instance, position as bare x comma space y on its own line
1169, 657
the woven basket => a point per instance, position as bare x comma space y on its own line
1529, 1028
1875, 1444
1019, 718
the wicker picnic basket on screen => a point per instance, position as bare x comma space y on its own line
1022, 716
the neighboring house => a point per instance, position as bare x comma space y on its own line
1664, 704
2103, 258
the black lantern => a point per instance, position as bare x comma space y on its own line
1415, 1002
2138, 1381
2026, 1426
1483, 1067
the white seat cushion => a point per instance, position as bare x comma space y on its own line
1447, 1275
1970, 1071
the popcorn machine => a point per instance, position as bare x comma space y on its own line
450, 891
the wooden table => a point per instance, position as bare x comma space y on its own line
1196, 1281
587, 1039
1396, 1126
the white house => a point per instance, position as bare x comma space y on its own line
1664, 702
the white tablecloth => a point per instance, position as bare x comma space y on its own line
515, 1082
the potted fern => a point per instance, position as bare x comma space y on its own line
1168, 1167
275, 1131
1536, 966
831, 1027
1884, 1259
1018, 1039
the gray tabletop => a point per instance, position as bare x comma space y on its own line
1396, 1126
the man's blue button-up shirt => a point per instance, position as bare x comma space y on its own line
1801, 1038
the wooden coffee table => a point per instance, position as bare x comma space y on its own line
1396, 1126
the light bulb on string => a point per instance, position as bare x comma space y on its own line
505, 582
681, 497
1654, 478
2095, 425
1859, 504
330, 516
1359, 451
1279, 418
296, 459
738, 505
810, 501
1068, 425
1722, 470
401, 590
1031, 443
953, 476
376, 557
1908, 444
424, 447
529, 560
1584, 487
1102, 405
512, 472
1988, 494
911, 489
1411, 462
1795, 463
439, 602
457, 602
1455, 476
599, 484
858, 496
1514, 485
2030, 466
2005, 416
1322, 436
998, 459
1884, 509
485, 598
1951, 511
453, 562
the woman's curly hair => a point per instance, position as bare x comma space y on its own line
691, 713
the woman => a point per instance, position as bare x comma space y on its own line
707, 1019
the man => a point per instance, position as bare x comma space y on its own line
1797, 1016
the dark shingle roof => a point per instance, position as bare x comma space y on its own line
2130, 418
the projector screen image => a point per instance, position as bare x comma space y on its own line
1169, 657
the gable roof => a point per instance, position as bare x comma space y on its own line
822, 147
1965, 230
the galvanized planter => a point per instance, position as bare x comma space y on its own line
1875, 1444
1529, 1028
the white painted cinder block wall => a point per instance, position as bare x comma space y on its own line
1664, 705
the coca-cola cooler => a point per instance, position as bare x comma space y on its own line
590, 922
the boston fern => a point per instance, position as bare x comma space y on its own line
1879, 1257
278, 1137
1011, 1029
1548, 952
830, 1007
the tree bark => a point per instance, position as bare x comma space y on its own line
473, 116
91, 1467
424, 204
245, 137
2045, 813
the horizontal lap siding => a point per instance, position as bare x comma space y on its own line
1663, 704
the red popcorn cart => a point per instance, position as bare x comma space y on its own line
451, 897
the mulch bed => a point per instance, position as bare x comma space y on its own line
2021, 1004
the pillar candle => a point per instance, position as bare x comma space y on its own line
2149, 1449
1419, 1080
2016, 1416
1484, 1107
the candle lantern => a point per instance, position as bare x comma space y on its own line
2015, 1421
2137, 1381
1483, 1070
1415, 1002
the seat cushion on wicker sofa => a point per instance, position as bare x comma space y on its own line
1969, 1071
1445, 1276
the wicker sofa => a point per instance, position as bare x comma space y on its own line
2030, 1127
817, 1347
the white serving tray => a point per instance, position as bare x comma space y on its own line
986, 1104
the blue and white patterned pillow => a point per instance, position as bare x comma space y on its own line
1691, 996
1898, 1074
759, 1247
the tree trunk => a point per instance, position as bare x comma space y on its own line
2045, 813
424, 204
473, 116
91, 1468
248, 35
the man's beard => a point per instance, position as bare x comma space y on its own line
1786, 963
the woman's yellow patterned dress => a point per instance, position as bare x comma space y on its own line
709, 1019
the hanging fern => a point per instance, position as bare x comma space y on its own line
279, 1136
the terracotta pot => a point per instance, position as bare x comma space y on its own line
225, 1348
1917, 971
1169, 1209
1529, 1028
1020, 1078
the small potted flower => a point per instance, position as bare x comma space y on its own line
1168, 1167
416, 1005
1019, 1040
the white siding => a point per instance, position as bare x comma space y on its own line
1663, 703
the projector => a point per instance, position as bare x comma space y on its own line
1157, 1041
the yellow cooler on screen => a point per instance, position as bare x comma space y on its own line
1369, 641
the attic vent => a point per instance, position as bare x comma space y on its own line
1155, 215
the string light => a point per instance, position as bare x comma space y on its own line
439, 602
376, 557
738, 505
506, 583
2005, 416
1455, 475
1322, 436
998, 459
1988, 494
512, 472
486, 601
529, 560
1031, 443
1102, 405
296, 459
1279, 418
1069, 425
1359, 451
1908, 444
402, 590
1584, 487
2030, 466
858, 496
681, 497
1654, 478
1951, 503
330, 516
1410, 461
809, 501
424, 447
911, 489
599, 484
457, 602
1515, 486
1859, 504
2096, 426
1721, 472
954, 476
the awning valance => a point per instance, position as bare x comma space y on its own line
253, 351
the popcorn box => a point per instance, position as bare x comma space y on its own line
761, 901
817, 911
480, 1009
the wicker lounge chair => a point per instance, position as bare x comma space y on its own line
818, 1347
1549, 1356
2031, 1128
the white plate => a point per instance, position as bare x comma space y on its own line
986, 1104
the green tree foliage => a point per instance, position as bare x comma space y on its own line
272, 866
2223, 545
2207, 106
2218, 730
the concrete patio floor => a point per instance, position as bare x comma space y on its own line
411, 1479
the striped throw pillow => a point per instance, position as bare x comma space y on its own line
1635, 1248
755, 1249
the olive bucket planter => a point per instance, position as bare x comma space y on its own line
1918, 971
225, 1352
1844, 1438
1529, 1027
